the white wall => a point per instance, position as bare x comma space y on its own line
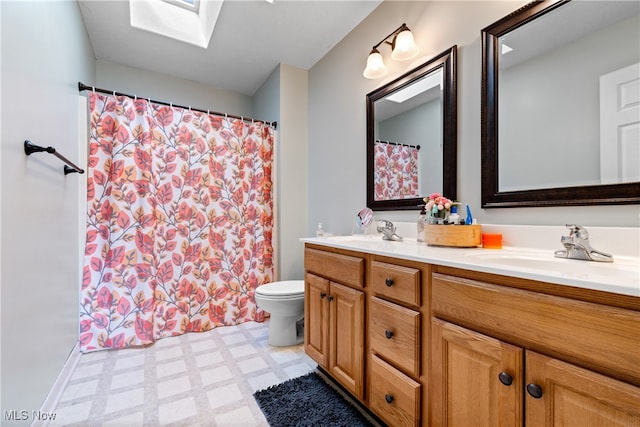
161, 87
45, 51
283, 98
337, 127
292, 170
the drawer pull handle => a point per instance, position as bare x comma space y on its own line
323, 294
388, 281
330, 298
388, 397
505, 378
534, 391
388, 333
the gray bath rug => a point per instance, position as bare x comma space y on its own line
307, 401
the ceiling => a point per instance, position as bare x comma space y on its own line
250, 39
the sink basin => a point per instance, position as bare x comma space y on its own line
625, 269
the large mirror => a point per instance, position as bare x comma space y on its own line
411, 136
561, 105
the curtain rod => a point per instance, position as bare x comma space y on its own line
83, 87
417, 147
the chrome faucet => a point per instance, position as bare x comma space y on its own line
577, 246
388, 230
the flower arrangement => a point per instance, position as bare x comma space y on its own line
438, 207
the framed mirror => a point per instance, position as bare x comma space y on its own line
557, 78
412, 136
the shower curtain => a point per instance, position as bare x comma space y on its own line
396, 171
179, 222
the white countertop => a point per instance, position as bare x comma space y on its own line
622, 276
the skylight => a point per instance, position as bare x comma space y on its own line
506, 49
423, 85
188, 21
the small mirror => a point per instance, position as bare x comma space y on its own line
364, 218
411, 136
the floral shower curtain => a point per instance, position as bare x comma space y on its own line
179, 222
396, 171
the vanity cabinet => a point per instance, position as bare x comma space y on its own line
334, 316
430, 345
513, 357
394, 333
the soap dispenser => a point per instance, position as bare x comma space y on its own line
422, 219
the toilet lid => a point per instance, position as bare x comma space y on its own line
282, 289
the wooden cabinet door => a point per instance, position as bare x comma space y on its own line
316, 319
468, 370
573, 396
346, 308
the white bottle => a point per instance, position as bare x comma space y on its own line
319, 230
422, 219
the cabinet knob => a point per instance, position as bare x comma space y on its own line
534, 391
388, 333
388, 397
388, 281
505, 378
323, 294
330, 298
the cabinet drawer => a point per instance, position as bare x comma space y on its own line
393, 396
396, 282
345, 269
394, 334
603, 338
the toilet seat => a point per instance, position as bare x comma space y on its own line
286, 289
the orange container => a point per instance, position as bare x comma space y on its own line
492, 240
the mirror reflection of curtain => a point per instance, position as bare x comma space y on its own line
179, 222
396, 171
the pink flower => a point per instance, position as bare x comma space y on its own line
437, 205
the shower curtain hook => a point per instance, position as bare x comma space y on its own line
135, 97
114, 93
93, 88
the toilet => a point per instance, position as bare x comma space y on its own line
284, 300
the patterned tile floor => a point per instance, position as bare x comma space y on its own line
198, 379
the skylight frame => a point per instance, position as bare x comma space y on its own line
178, 22
191, 5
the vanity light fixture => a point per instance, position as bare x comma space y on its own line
403, 47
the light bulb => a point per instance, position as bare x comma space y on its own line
375, 66
404, 47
